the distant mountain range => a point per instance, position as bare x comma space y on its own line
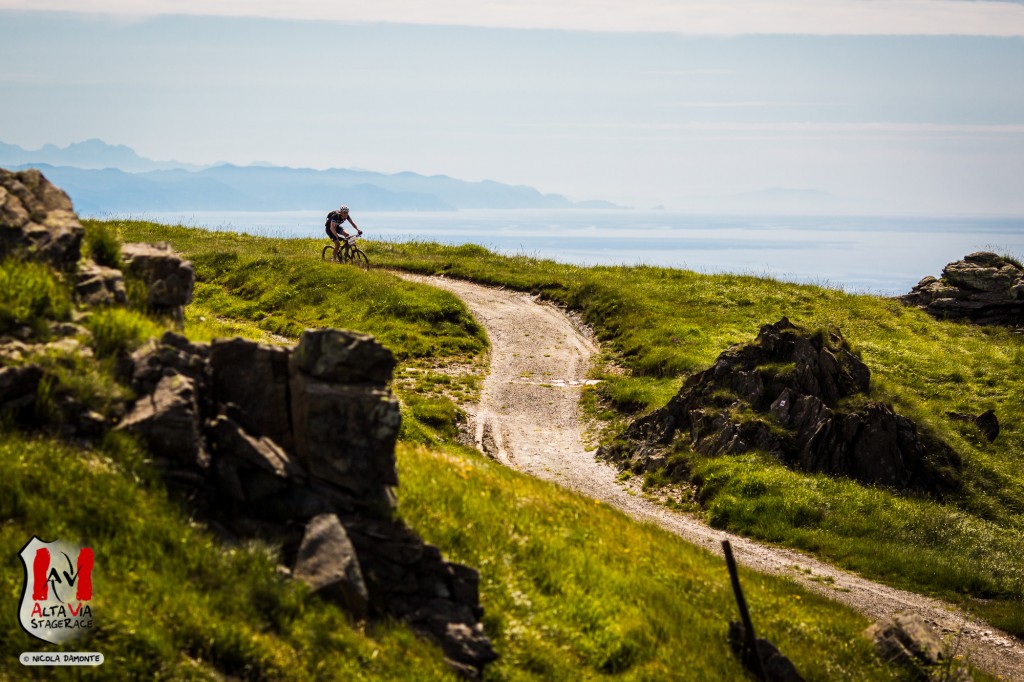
102, 178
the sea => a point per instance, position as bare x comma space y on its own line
862, 254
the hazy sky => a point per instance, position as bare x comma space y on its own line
891, 105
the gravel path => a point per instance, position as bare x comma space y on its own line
528, 419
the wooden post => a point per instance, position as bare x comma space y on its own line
748, 626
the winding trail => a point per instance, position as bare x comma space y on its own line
528, 419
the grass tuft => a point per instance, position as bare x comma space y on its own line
31, 295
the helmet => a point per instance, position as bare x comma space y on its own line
343, 209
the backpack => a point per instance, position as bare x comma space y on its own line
333, 215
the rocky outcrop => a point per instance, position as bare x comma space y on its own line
802, 398
37, 221
294, 446
169, 279
298, 445
168, 421
983, 287
99, 285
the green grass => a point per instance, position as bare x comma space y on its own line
119, 331
662, 324
31, 295
102, 243
575, 590
170, 601
571, 589
282, 287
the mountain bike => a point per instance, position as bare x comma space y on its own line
348, 252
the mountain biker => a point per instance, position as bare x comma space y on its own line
335, 224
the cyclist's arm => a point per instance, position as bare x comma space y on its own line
354, 225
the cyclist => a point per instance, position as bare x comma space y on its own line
335, 224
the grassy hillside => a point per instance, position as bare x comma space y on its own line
663, 324
572, 590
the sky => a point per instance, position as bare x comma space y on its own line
881, 106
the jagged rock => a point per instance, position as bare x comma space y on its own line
343, 356
37, 220
18, 387
345, 433
782, 395
255, 469
408, 579
776, 666
254, 377
327, 562
983, 287
987, 422
302, 451
99, 285
460, 635
168, 278
168, 421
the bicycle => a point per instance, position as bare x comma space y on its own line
348, 252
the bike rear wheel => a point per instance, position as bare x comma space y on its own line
329, 249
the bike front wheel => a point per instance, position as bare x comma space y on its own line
359, 259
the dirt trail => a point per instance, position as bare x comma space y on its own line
528, 419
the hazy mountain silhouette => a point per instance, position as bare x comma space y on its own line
102, 178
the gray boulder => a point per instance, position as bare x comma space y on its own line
18, 387
171, 355
168, 421
327, 562
906, 640
983, 287
168, 278
99, 285
37, 220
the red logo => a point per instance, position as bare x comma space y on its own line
58, 587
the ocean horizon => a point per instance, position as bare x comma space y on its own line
861, 254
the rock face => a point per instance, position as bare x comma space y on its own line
298, 446
983, 287
327, 562
37, 220
99, 285
168, 278
802, 398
